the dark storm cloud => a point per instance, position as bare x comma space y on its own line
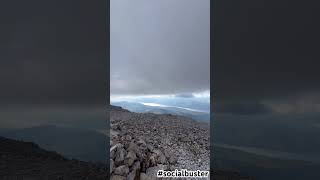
160, 47
243, 108
53, 52
265, 50
185, 95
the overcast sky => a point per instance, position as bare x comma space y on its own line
159, 47
267, 53
53, 52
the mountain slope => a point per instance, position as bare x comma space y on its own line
159, 142
25, 160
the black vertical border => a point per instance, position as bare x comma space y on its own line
107, 29
212, 87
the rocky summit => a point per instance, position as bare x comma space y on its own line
143, 143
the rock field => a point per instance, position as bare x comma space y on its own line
143, 143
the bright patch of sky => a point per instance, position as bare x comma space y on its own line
205, 95
161, 105
199, 102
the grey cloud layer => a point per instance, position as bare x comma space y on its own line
53, 52
265, 50
160, 47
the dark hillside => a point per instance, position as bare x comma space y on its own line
25, 160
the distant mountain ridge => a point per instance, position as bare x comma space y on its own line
187, 112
